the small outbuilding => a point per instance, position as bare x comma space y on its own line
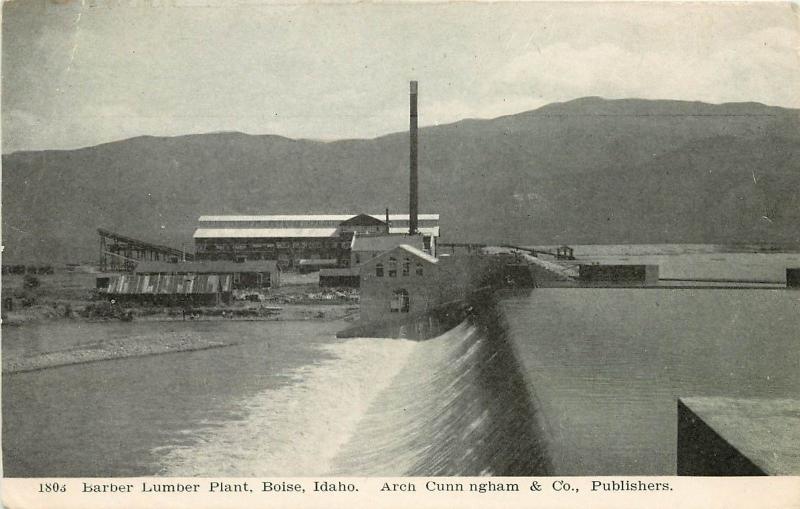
245, 275
170, 289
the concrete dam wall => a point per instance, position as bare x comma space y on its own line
459, 406
568, 381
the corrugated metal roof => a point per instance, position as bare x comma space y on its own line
162, 284
384, 242
315, 217
250, 233
206, 267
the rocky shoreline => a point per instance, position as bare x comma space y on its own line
294, 312
107, 350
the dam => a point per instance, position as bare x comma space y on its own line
570, 380
552, 381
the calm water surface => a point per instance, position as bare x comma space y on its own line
607, 365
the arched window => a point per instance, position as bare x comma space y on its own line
400, 301
392, 267
406, 266
379, 270
419, 269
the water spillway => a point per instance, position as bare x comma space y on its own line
572, 381
454, 404
459, 406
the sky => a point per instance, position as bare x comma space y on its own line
77, 74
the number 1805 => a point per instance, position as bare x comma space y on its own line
52, 487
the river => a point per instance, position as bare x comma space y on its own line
602, 367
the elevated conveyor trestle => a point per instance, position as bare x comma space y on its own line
120, 252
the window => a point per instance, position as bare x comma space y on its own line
399, 303
392, 267
379, 270
406, 266
358, 259
419, 269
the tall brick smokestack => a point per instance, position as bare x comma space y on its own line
412, 193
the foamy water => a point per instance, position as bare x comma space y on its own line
297, 429
458, 407
452, 405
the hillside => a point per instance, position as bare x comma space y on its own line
585, 171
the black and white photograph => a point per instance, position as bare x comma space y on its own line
419, 240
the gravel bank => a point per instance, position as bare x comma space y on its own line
108, 350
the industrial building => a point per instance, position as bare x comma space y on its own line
247, 275
168, 289
406, 281
320, 241
364, 248
290, 239
399, 281
204, 283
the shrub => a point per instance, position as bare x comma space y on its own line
30, 281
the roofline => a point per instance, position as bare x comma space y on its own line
311, 217
405, 238
404, 247
283, 232
266, 233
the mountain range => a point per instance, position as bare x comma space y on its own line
585, 171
